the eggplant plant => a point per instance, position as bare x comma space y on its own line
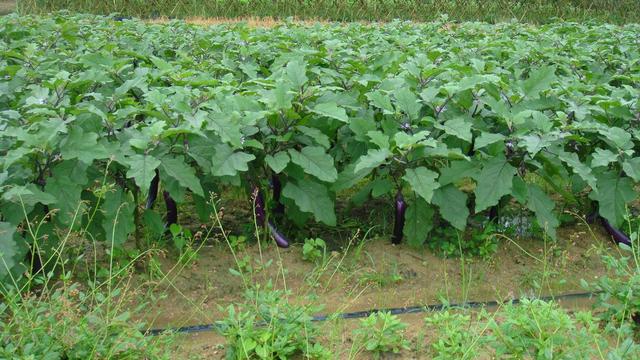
96, 114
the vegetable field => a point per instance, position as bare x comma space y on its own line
116, 129
456, 119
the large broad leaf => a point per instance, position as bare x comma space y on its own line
360, 127
313, 198
453, 205
66, 183
28, 195
331, 110
406, 141
349, 177
14, 155
184, 174
493, 182
533, 143
458, 127
279, 98
318, 136
613, 193
618, 137
539, 80
295, 72
578, 167
418, 222
456, 171
520, 190
83, 146
13, 250
379, 138
226, 162
407, 101
373, 159
422, 181
380, 100
487, 139
381, 186
142, 170
153, 222
228, 127
603, 157
277, 162
315, 161
118, 216
632, 168
542, 205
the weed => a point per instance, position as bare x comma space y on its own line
454, 335
184, 242
314, 250
449, 242
381, 333
69, 323
266, 326
383, 278
542, 330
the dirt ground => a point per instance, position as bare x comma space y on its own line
7, 7
367, 275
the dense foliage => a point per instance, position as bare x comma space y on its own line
69, 323
460, 118
534, 11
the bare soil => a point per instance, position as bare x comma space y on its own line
7, 7
372, 274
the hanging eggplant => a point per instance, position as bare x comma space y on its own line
258, 204
398, 226
153, 191
276, 187
172, 209
279, 238
618, 236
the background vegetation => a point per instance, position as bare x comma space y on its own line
535, 11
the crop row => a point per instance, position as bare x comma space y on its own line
98, 116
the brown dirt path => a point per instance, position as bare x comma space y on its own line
7, 6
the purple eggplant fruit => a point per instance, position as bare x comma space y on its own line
172, 209
258, 204
281, 241
618, 236
592, 217
493, 214
277, 190
398, 225
153, 191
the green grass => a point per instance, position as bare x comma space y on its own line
533, 11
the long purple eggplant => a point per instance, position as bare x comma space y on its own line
618, 236
258, 204
398, 225
281, 241
493, 214
592, 217
276, 186
172, 209
153, 191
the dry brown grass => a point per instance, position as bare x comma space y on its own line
7, 6
269, 22
257, 22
